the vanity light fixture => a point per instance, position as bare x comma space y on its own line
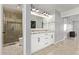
44, 13
37, 10
37, 14
33, 9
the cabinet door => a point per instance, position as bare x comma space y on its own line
43, 40
40, 41
51, 38
46, 39
34, 43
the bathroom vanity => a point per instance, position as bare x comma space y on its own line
42, 32
41, 39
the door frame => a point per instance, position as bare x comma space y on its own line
1, 28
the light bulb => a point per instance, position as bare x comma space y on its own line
37, 10
33, 9
44, 13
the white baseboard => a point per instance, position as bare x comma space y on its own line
59, 41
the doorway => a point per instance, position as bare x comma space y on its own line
12, 30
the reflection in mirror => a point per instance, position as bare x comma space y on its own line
33, 24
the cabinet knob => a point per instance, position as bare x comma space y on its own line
38, 39
51, 36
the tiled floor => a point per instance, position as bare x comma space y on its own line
66, 47
14, 49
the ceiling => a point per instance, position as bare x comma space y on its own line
60, 7
49, 8
13, 7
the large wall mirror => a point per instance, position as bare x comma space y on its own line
36, 22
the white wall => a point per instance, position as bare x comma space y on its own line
49, 23
26, 15
59, 27
70, 12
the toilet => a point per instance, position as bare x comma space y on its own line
21, 41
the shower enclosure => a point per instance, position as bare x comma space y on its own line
12, 30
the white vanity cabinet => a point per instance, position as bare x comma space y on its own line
40, 41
